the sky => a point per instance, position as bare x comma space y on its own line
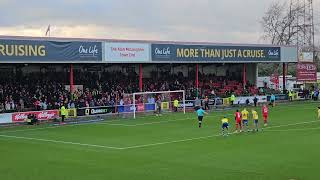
227, 21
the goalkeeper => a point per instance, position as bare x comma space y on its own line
158, 102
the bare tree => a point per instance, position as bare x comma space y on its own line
280, 24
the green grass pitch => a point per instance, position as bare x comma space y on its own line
167, 147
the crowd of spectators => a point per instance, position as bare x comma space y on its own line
36, 91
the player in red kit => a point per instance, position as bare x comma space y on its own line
265, 114
237, 117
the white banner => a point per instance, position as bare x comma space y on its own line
5, 118
126, 52
242, 100
306, 57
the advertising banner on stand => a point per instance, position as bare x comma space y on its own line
41, 115
212, 53
306, 57
127, 52
306, 72
54, 51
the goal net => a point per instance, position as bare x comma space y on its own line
158, 102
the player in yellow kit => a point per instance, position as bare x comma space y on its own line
244, 117
225, 126
255, 119
318, 112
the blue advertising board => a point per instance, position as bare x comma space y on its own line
129, 108
42, 51
211, 53
279, 97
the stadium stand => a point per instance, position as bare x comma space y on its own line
42, 91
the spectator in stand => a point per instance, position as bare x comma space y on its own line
7, 106
212, 93
121, 103
43, 105
12, 105
32, 89
21, 103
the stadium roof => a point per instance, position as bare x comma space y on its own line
134, 41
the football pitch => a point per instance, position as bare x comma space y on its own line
167, 147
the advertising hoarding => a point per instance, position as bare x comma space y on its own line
91, 111
5, 118
306, 57
126, 52
211, 53
41, 115
306, 72
42, 51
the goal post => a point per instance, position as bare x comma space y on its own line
166, 99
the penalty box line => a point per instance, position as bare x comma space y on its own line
293, 129
109, 122
137, 146
59, 142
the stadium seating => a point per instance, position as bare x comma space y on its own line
35, 91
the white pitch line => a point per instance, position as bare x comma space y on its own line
136, 146
109, 122
155, 122
61, 142
206, 137
293, 124
50, 127
170, 142
148, 123
102, 123
300, 129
